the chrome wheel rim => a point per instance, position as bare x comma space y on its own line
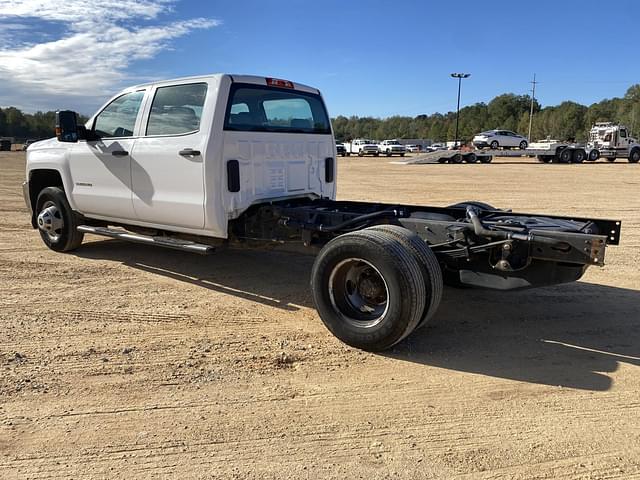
50, 221
359, 292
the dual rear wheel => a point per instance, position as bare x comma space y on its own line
373, 287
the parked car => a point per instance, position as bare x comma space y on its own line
340, 150
436, 146
412, 148
500, 138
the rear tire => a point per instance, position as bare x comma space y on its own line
611, 159
593, 155
431, 271
471, 158
578, 156
485, 158
57, 222
564, 156
368, 289
457, 158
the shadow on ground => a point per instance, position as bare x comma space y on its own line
570, 335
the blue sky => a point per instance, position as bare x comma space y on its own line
369, 58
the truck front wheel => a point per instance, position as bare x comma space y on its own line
634, 156
368, 289
57, 223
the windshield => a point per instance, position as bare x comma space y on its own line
256, 108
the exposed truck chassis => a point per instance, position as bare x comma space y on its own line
474, 245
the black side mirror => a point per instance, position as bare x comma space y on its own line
67, 126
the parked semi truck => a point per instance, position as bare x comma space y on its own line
613, 141
205, 163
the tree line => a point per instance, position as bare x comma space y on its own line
21, 126
569, 120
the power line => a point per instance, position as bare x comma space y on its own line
533, 99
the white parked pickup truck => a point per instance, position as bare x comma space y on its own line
391, 147
206, 163
362, 147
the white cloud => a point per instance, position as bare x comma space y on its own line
101, 39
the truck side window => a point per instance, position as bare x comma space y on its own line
119, 117
177, 110
623, 134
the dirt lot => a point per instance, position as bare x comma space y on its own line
121, 361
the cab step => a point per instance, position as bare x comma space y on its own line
176, 244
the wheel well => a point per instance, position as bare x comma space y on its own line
39, 179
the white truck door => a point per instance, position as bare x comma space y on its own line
167, 168
623, 139
101, 169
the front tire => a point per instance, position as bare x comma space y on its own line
523, 145
57, 222
368, 289
634, 156
494, 145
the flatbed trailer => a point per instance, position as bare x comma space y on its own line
557, 153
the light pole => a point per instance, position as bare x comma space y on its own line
459, 76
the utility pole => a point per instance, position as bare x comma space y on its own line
533, 99
459, 76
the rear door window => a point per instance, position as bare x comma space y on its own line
177, 110
256, 108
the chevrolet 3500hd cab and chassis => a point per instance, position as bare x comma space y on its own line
203, 163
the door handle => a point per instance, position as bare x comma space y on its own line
120, 153
189, 152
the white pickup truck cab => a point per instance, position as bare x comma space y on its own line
392, 147
156, 152
206, 163
361, 147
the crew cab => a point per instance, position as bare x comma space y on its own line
391, 147
362, 147
206, 163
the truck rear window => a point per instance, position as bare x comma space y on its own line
254, 108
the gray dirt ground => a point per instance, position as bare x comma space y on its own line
121, 361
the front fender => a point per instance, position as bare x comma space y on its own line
51, 155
